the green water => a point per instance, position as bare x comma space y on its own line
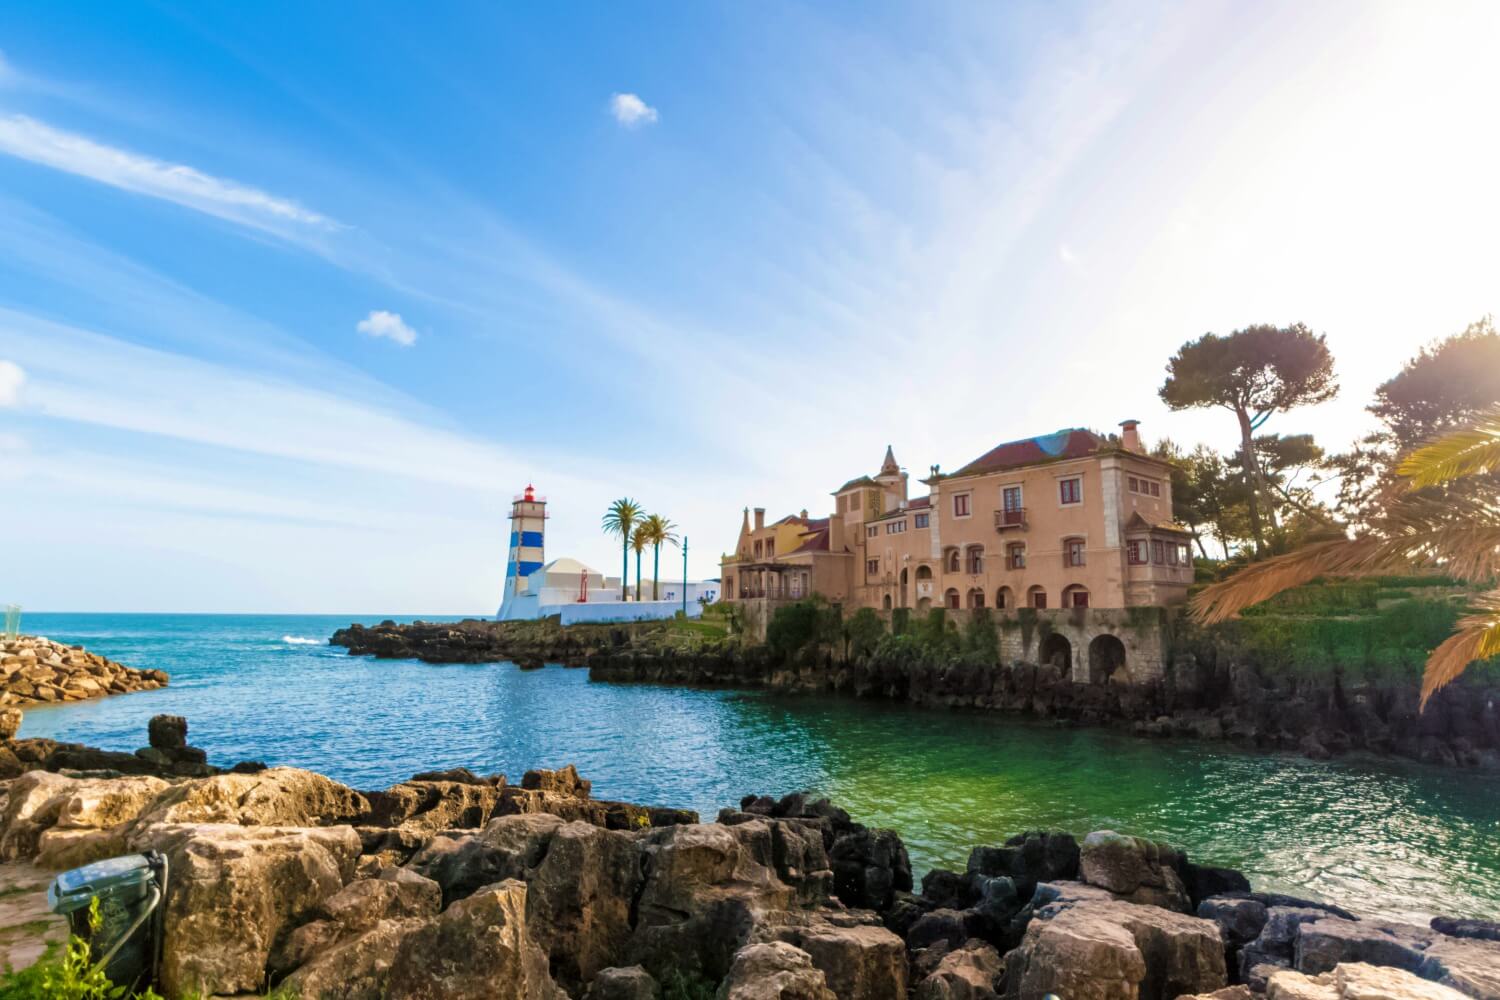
1404, 841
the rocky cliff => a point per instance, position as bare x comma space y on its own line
456, 886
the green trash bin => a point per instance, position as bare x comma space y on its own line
127, 942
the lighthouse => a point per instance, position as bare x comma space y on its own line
528, 523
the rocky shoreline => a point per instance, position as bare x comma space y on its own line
459, 886
1207, 693
36, 671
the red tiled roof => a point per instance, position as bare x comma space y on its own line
1072, 442
919, 502
815, 541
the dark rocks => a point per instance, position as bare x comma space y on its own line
628, 983
1485, 930
10, 723
949, 889
869, 867
1029, 858
1323, 944
167, 732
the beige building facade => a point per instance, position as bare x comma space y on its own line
1072, 519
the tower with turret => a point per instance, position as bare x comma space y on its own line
528, 524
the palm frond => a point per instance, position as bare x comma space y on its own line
1474, 450
1475, 638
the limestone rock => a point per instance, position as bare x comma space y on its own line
968, 973
10, 723
167, 732
234, 891
279, 796
430, 806
1355, 981
506, 849
1081, 957
1275, 945
1323, 944
1140, 870
563, 782
357, 968
859, 961
1470, 965
32, 806
630, 982
773, 971
476, 949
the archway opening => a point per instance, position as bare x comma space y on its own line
1106, 655
1004, 598
1036, 597
1057, 651
976, 598
924, 604
1075, 596
950, 599
885, 602
905, 601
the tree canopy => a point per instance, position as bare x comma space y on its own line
1444, 387
1259, 370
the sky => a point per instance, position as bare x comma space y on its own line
295, 297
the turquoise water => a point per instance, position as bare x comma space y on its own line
1399, 840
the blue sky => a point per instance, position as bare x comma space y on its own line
705, 255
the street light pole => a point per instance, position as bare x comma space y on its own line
684, 576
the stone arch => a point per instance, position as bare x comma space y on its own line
924, 572
1057, 651
1075, 596
905, 601
1004, 598
1036, 597
950, 598
885, 602
976, 597
1106, 656
924, 604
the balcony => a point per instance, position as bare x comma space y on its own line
1014, 517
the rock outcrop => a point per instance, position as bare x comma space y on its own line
37, 671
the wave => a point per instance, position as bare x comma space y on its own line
297, 640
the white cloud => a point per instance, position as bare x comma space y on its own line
38, 142
381, 323
632, 112
11, 380
1066, 255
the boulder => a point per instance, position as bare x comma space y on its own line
1487, 930
507, 848
869, 867
426, 807
1080, 957
167, 732
1029, 858
563, 782
630, 982
32, 805
1275, 945
968, 973
773, 970
234, 891
1139, 870
10, 723
279, 796
948, 890
476, 949
1240, 922
355, 968
1321, 945
101, 804
1355, 981
858, 961
395, 894
1470, 965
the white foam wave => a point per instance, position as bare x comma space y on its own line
297, 640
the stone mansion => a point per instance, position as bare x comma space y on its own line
1072, 519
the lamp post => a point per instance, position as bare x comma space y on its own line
684, 576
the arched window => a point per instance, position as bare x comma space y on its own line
1036, 597
1072, 549
1015, 555
951, 561
1076, 596
1004, 598
886, 602
924, 572
976, 598
950, 598
974, 559
924, 604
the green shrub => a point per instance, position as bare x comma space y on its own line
980, 639
796, 626
862, 631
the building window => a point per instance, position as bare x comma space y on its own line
1073, 552
843, 504
1016, 555
758, 547
1002, 597
770, 548
872, 566
1186, 555
921, 520
976, 598
1075, 597
1136, 551
1158, 551
976, 559
1135, 484
961, 505
1071, 490
1156, 489
872, 531
1038, 597
951, 561
895, 527
1010, 498
1172, 555
950, 599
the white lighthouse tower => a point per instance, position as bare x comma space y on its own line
528, 523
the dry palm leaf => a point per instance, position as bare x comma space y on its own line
1470, 452
1476, 637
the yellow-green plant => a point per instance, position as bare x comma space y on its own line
621, 519
659, 531
1445, 517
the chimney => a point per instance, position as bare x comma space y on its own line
1130, 438
760, 518
803, 515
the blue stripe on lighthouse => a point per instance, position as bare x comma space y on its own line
527, 568
533, 538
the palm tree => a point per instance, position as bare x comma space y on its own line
638, 542
658, 531
621, 519
1455, 531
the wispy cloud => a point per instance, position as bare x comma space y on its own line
632, 112
11, 380
38, 142
7, 72
389, 325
